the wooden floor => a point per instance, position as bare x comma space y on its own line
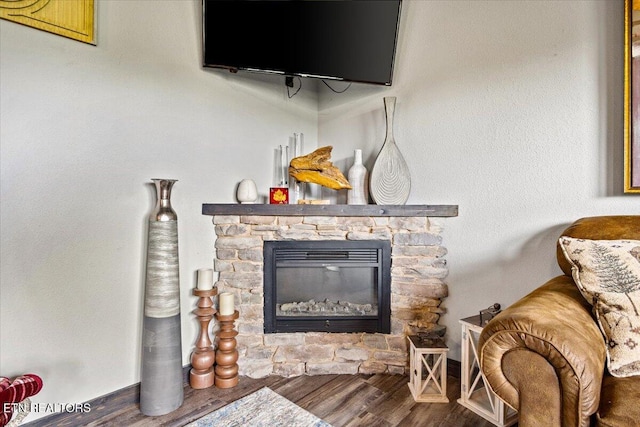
341, 400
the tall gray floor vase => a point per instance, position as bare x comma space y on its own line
161, 379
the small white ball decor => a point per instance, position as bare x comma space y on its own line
247, 191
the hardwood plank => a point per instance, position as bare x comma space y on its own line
369, 420
297, 388
388, 383
342, 400
449, 414
396, 404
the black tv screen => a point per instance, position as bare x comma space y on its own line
329, 39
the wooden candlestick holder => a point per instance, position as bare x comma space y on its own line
202, 373
226, 354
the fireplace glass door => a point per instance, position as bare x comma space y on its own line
329, 286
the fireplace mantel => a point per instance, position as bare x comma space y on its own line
331, 210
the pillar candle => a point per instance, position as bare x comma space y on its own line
205, 279
225, 304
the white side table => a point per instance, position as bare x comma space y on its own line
475, 393
428, 363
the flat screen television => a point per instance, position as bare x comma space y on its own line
349, 40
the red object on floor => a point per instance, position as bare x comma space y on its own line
15, 392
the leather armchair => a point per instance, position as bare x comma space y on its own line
546, 357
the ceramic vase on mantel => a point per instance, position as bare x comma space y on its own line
247, 191
161, 389
358, 178
390, 181
296, 188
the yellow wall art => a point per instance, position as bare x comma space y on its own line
632, 97
69, 18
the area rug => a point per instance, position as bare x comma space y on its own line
264, 408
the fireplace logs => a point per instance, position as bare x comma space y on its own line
326, 307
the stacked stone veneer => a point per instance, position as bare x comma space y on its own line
418, 268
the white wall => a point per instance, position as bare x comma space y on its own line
512, 110
83, 130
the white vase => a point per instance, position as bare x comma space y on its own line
247, 191
390, 181
358, 178
296, 188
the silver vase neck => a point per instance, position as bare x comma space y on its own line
163, 210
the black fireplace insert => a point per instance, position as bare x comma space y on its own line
327, 286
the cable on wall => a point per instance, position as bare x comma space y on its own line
337, 91
288, 81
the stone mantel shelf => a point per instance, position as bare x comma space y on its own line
331, 210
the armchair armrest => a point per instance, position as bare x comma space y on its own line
545, 356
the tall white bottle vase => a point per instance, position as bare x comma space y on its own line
359, 179
296, 188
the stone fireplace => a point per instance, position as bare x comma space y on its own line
417, 288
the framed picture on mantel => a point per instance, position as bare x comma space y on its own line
632, 96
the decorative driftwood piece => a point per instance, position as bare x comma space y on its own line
316, 168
